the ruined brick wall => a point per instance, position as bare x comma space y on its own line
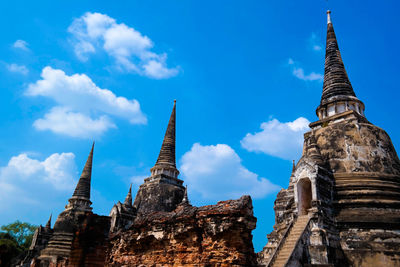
355, 146
366, 172
216, 235
90, 242
88, 246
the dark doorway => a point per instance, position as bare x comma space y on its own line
304, 196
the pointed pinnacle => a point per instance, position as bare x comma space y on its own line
329, 16
294, 166
128, 199
83, 187
336, 81
185, 199
48, 224
167, 151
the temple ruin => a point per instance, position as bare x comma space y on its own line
341, 207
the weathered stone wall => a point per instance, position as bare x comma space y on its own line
371, 247
88, 242
216, 235
159, 193
356, 146
366, 171
284, 216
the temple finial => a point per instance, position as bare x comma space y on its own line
48, 224
337, 90
185, 199
329, 16
167, 152
128, 199
336, 82
83, 187
80, 200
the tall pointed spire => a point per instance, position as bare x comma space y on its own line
128, 199
337, 95
163, 190
48, 224
336, 81
167, 152
294, 167
185, 199
80, 200
83, 187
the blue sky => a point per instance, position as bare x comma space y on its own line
246, 76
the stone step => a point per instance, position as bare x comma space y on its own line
60, 240
59, 246
293, 237
296, 232
291, 240
59, 243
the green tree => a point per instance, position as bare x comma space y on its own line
22, 232
9, 248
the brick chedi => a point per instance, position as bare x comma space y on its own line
78, 237
169, 231
40, 239
342, 206
161, 228
163, 190
123, 214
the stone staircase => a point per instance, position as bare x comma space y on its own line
59, 244
290, 242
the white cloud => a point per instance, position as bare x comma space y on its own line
29, 186
62, 121
57, 170
128, 47
280, 139
18, 68
137, 180
83, 109
21, 44
316, 47
315, 43
156, 69
216, 172
299, 73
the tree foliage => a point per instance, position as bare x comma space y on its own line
9, 249
22, 232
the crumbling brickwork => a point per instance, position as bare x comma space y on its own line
216, 235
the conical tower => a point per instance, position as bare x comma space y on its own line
185, 200
80, 200
162, 191
48, 224
166, 162
123, 214
337, 94
128, 199
343, 198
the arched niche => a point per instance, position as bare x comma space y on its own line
304, 196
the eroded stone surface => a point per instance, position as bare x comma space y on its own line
216, 235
